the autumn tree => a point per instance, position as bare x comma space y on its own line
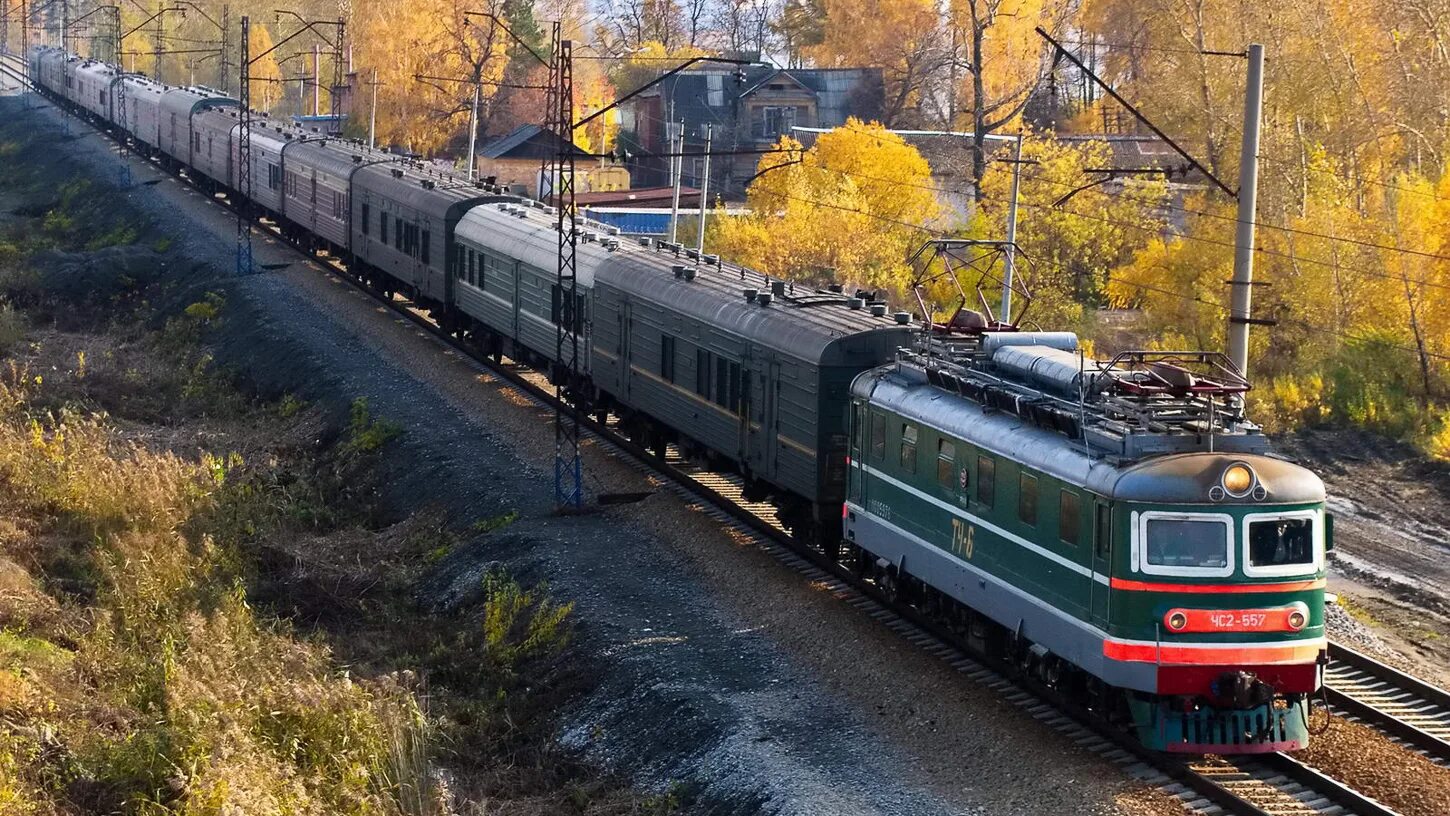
902, 37
434, 39
849, 209
1073, 230
994, 42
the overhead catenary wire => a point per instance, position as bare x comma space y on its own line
1260, 224
1229, 245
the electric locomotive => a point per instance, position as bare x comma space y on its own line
1118, 529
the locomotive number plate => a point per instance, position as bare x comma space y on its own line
1234, 620
1237, 621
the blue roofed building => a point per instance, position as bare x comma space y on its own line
747, 110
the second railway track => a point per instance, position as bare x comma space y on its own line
1273, 785
1404, 708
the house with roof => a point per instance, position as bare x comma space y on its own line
745, 110
516, 159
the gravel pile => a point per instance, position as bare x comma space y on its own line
1344, 628
714, 666
1368, 762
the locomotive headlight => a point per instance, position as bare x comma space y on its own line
1177, 620
1297, 619
1238, 480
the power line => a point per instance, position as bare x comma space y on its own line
1159, 49
1230, 245
1354, 179
1264, 224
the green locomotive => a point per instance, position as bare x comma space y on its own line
1120, 529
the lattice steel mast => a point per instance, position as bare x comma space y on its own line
570, 317
244, 151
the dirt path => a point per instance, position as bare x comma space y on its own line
1391, 562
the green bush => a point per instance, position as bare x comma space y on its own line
366, 434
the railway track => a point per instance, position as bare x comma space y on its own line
1404, 708
13, 67
1272, 785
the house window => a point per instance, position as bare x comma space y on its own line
1027, 499
1069, 517
946, 464
778, 120
908, 448
667, 357
986, 480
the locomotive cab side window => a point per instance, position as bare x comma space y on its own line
878, 435
946, 464
986, 480
908, 448
1027, 499
1280, 543
1184, 544
1069, 517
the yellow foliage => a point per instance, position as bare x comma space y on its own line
402, 41
900, 36
850, 209
1072, 231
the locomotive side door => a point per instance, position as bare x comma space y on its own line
855, 482
1102, 561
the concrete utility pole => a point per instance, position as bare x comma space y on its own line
704, 190
373, 114
677, 166
1243, 280
1009, 267
316, 79
473, 129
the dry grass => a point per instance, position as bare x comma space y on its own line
146, 683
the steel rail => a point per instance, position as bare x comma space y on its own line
1399, 705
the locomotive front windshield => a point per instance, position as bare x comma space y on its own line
1174, 542
1281, 542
